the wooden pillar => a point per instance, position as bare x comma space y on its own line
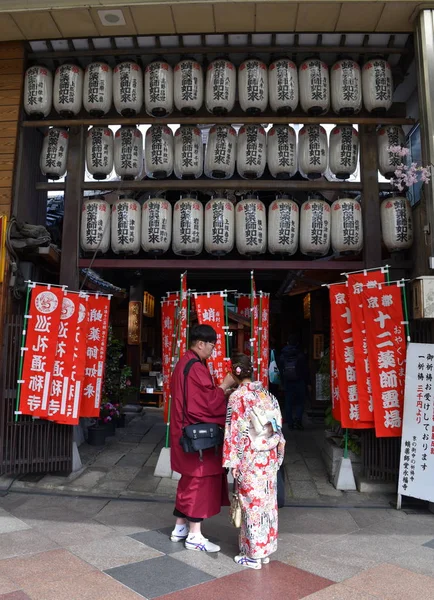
370, 196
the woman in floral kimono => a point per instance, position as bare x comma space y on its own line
254, 450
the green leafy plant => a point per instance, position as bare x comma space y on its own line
117, 379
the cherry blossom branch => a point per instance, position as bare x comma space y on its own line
408, 175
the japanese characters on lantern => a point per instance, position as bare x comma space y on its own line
221, 86
315, 227
188, 86
251, 226
314, 85
388, 161
159, 89
99, 152
344, 151
188, 152
346, 87
221, 150
54, 153
312, 151
377, 85
38, 92
98, 89
128, 88
283, 224
125, 226
159, 152
282, 151
156, 225
283, 86
95, 226
219, 226
68, 90
187, 238
346, 226
251, 151
128, 152
253, 86
396, 223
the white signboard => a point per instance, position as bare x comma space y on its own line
416, 472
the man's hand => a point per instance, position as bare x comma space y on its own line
235, 474
227, 382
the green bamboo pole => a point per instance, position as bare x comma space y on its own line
346, 444
259, 336
23, 345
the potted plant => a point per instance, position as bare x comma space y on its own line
96, 433
108, 415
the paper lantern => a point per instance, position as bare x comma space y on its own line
251, 151
156, 225
187, 227
344, 151
397, 223
346, 87
54, 153
315, 227
98, 89
282, 151
128, 88
38, 92
68, 90
312, 151
377, 85
128, 152
188, 86
388, 162
283, 86
251, 226
221, 86
283, 225
219, 226
188, 152
95, 226
220, 152
126, 226
159, 152
159, 89
313, 81
99, 152
346, 226
253, 86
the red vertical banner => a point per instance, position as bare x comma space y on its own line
254, 342
211, 311
385, 332
265, 339
334, 384
168, 324
184, 316
243, 309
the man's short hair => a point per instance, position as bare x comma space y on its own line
203, 333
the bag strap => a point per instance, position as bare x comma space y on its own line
272, 356
186, 372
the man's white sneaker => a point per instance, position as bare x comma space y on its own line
265, 560
200, 544
245, 561
179, 534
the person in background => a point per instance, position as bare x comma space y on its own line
294, 372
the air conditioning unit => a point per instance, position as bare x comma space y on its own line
422, 292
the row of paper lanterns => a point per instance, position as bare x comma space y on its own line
185, 88
189, 227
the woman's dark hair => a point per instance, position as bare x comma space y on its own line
203, 333
241, 366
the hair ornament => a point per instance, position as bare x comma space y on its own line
238, 370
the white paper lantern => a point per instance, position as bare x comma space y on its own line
283, 86
312, 151
253, 86
98, 89
377, 85
346, 87
315, 228
68, 90
313, 81
128, 152
38, 92
397, 223
344, 151
128, 88
126, 226
282, 151
99, 152
221, 87
251, 226
219, 226
95, 226
388, 162
188, 86
283, 225
251, 151
188, 152
156, 225
347, 226
54, 153
159, 89
187, 227
221, 150
159, 152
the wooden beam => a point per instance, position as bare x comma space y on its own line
371, 198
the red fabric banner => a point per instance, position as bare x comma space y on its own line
254, 304
243, 309
265, 340
168, 324
211, 311
334, 384
185, 317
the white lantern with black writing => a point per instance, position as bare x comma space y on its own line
188, 86
128, 152
128, 88
315, 227
159, 152
68, 90
283, 86
156, 225
95, 226
251, 226
187, 238
188, 152
347, 226
221, 87
377, 85
344, 151
221, 150
159, 89
38, 92
282, 151
251, 151
99, 152
283, 225
125, 226
54, 153
219, 226
388, 161
253, 86
346, 87
314, 86
98, 89
397, 223
312, 151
